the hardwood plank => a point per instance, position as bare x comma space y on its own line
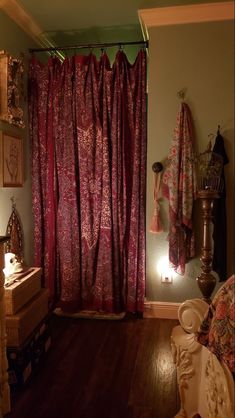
166, 395
103, 369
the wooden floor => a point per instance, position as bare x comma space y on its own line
103, 369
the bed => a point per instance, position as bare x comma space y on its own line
203, 350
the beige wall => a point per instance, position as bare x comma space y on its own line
200, 58
14, 41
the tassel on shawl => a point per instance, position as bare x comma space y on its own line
156, 225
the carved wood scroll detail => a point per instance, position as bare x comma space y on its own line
217, 391
185, 370
206, 385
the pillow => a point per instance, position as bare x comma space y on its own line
217, 330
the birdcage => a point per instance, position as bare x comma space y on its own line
209, 168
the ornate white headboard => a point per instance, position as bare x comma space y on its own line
206, 385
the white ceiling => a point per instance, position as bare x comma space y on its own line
65, 22
72, 15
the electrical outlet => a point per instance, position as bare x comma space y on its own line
166, 279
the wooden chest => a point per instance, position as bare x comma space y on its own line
25, 359
22, 324
24, 286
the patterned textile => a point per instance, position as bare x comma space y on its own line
88, 135
179, 187
217, 331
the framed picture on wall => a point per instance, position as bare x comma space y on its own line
11, 160
11, 89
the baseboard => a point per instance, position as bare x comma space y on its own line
166, 310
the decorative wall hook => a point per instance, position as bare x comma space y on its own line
181, 93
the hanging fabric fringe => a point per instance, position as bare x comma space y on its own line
156, 225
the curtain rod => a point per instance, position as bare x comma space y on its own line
80, 46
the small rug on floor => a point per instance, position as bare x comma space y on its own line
90, 314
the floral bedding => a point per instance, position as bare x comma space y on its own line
217, 330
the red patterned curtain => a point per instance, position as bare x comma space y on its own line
88, 139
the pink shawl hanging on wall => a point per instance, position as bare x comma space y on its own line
179, 187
